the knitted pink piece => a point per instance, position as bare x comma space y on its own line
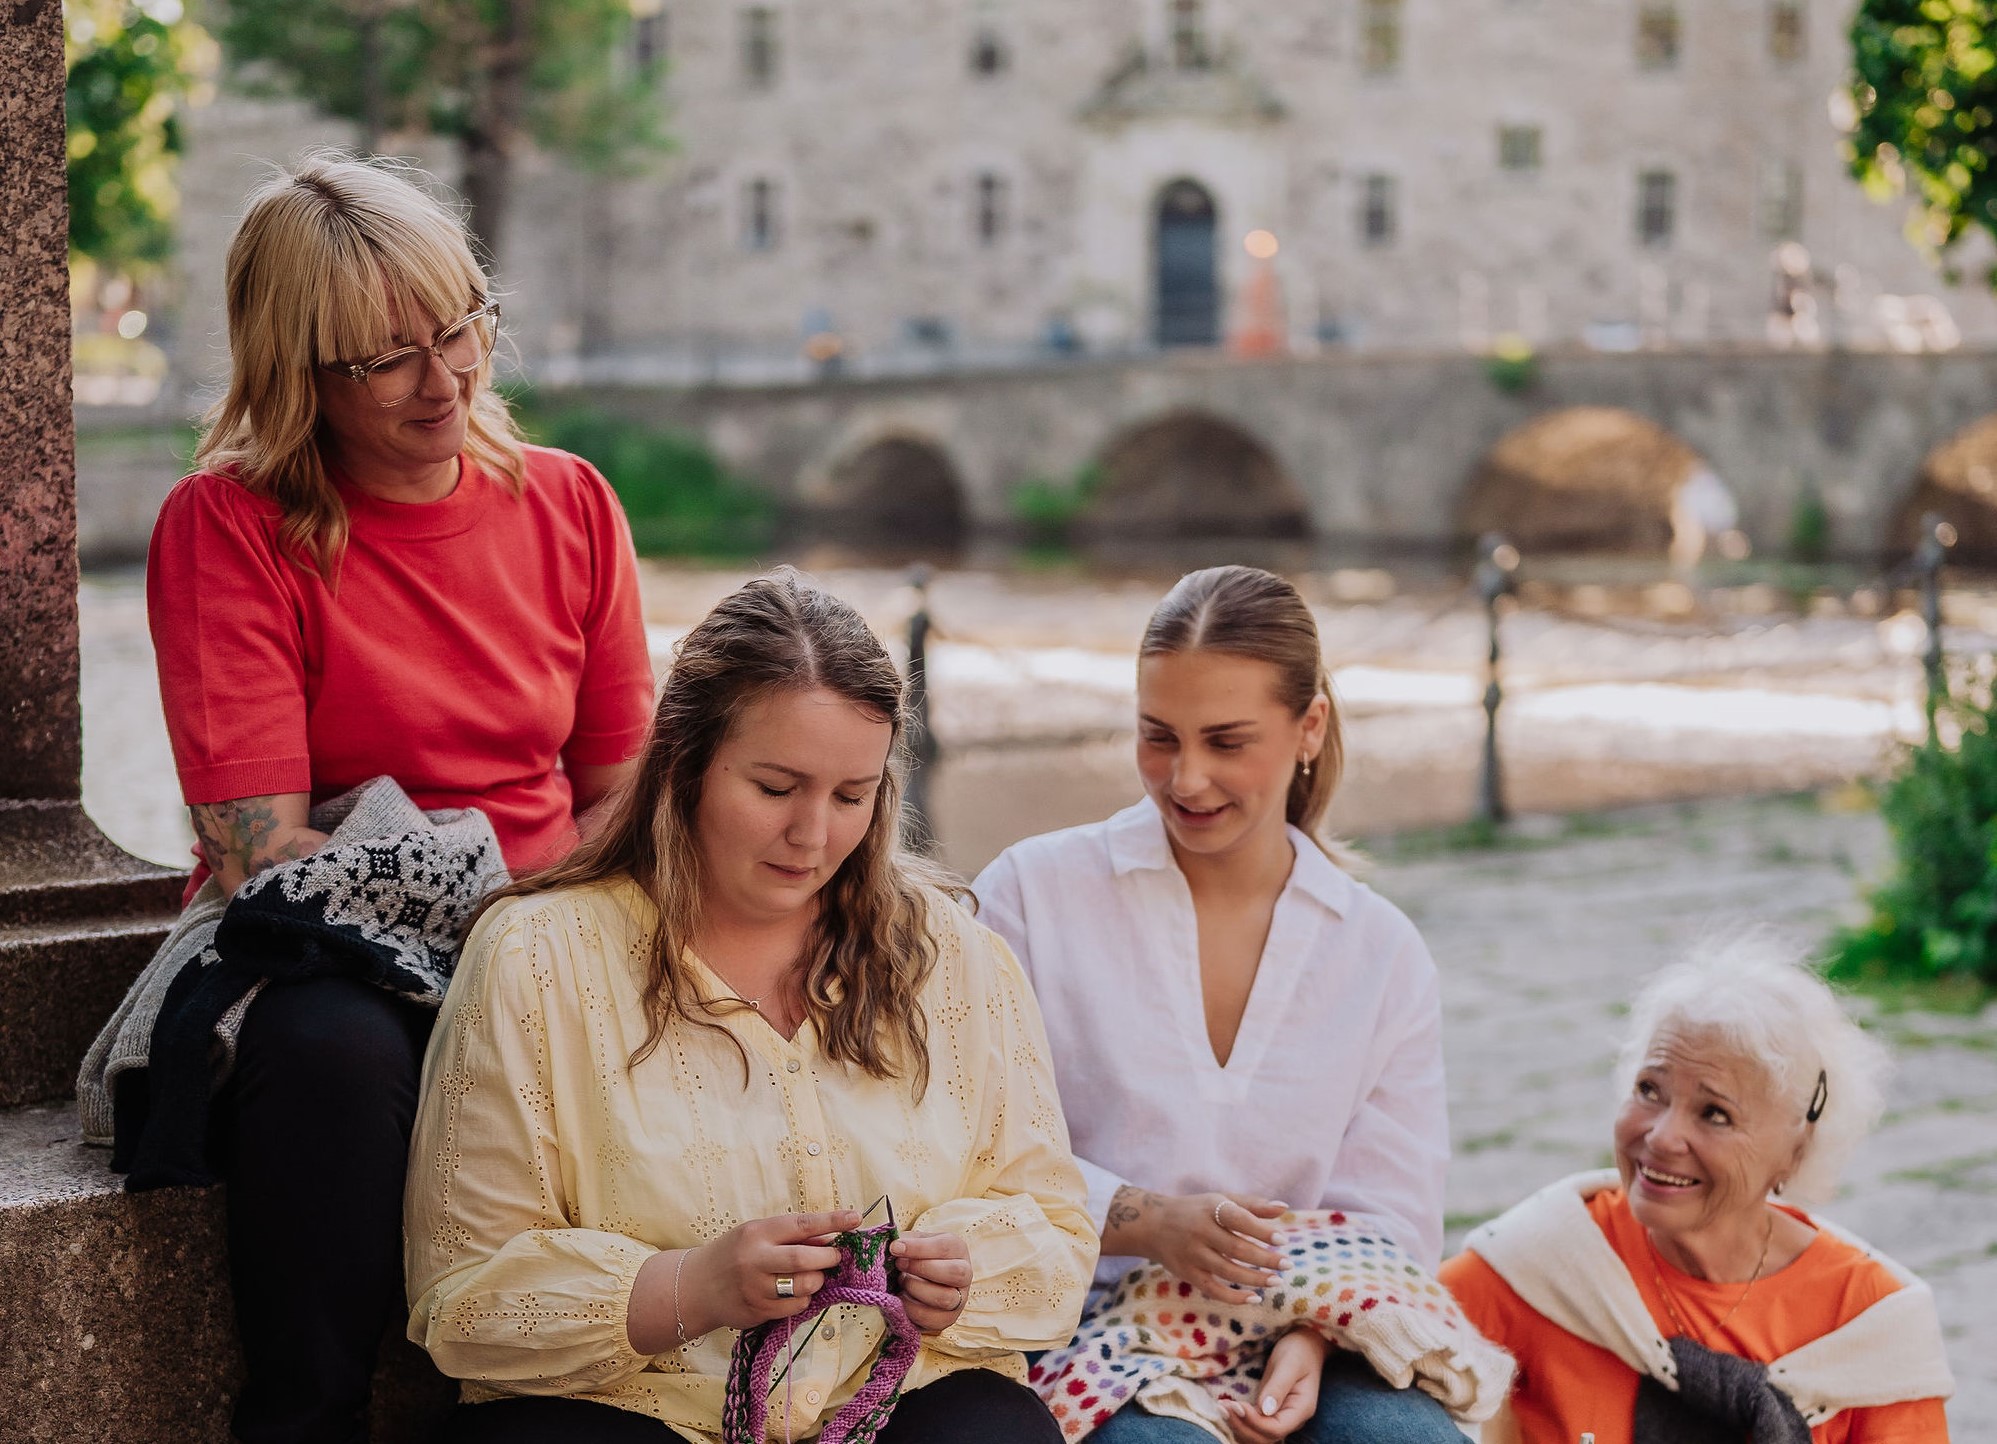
865, 1275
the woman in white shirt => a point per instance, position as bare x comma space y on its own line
1237, 1025
733, 1019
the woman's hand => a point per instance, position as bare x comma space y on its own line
1217, 1242
1287, 1396
732, 1281
935, 1278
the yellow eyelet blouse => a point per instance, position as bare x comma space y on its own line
545, 1169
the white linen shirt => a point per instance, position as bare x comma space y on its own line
1333, 1094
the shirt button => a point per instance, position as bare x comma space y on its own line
813, 1149
811, 1396
792, 1066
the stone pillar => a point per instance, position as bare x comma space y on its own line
41, 752
73, 907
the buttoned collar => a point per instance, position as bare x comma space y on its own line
1137, 843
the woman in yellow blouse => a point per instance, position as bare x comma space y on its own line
669, 1068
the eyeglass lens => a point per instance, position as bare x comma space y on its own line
463, 347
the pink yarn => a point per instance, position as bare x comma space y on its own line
864, 1276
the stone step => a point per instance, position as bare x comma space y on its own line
115, 1321
78, 919
58, 983
55, 866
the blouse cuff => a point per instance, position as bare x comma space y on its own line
537, 1323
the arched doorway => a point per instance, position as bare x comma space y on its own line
898, 491
1192, 475
1187, 266
1587, 478
1958, 481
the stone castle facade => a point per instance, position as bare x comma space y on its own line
994, 179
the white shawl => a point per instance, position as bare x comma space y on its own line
1555, 1257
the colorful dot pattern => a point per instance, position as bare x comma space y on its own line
1342, 1273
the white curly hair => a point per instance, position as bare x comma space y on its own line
1772, 1010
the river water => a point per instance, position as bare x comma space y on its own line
1623, 685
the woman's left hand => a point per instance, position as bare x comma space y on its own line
1287, 1396
935, 1278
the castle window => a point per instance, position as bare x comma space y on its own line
1377, 219
1189, 35
1656, 207
1657, 36
1380, 36
988, 54
648, 37
1518, 147
1781, 200
1785, 31
759, 45
991, 217
760, 230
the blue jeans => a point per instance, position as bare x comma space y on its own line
1354, 1406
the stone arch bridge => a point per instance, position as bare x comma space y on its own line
1380, 449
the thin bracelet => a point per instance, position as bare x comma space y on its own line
679, 1320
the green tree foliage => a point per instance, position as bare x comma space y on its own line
130, 69
679, 498
1925, 93
1048, 510
1935, 917
487, 74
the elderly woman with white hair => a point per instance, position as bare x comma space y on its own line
1684, 1296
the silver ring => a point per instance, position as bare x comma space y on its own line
786, 1286
1216, 1214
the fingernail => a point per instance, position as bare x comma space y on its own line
1268, 1405
1255, 1298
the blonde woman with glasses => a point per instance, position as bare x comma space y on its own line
370, 574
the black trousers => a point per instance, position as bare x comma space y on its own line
311, 1135
972, 1406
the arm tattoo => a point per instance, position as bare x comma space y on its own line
241, 831
1127, 1205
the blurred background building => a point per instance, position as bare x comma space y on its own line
895, 186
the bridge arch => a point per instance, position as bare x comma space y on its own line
1958, 480
1189, 473
1586, 478
898, 488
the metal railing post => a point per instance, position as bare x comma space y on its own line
917, 825
1937, 536
1497, 563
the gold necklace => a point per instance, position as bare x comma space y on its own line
1671, 1306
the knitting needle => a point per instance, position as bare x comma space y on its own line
791, 1355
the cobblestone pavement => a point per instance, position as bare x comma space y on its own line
1542, 944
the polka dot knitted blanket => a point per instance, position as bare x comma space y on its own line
1157, 1342
865, 1275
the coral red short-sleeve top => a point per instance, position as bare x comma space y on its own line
467, 647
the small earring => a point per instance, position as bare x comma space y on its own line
1779, 1184
1304, 766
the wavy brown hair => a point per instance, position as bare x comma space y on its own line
328, 254
871, 949
1247, 612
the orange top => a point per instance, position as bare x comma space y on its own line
1567, 1387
